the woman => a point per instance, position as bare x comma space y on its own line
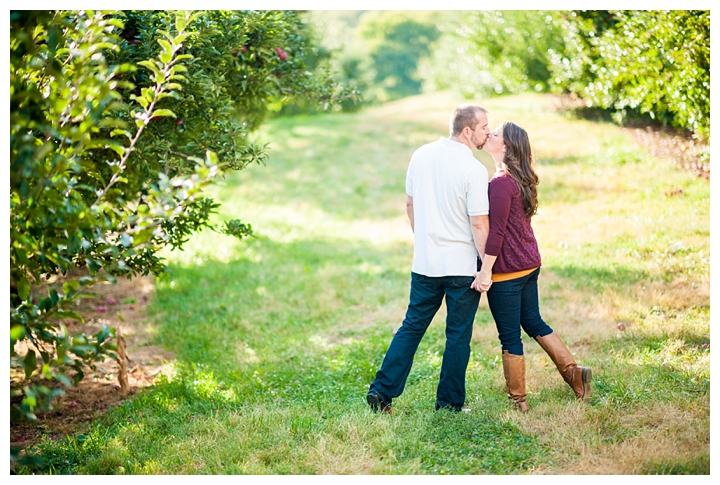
511, 266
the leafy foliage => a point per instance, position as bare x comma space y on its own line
376, 52
515, 46
649, 62
397, 41
118, 122
633, 63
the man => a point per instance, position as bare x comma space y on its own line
447, 204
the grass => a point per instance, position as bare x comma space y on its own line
277, 337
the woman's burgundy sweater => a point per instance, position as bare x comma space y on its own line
511, 237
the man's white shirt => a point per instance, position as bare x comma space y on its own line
448, 185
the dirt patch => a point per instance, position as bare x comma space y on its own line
679, 149
121, 306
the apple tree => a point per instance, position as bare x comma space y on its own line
118, 122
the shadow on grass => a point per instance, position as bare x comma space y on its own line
472, 444
643, 368
277, 315
597, 278
697, 465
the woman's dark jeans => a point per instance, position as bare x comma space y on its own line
426, 296
514, 304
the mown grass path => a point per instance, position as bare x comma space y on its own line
277, 337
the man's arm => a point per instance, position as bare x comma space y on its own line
411, 214
480, 227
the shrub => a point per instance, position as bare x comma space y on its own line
649, 62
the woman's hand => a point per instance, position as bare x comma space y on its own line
483, 281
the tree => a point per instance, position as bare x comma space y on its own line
647, 62
118, 121
334, 33
494, 52
397, 41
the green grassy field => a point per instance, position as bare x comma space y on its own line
277, 337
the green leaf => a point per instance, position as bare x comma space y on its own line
177, 68
174, 86
17, 332
121, 132
211, 158
78, 376
180, 38
82, 350
103, 334
142, 101
23, 287
148, 94
70, 287
53, 297
93, 265
150, 65
30, 363
64, 379
143, 236
167, 53
71, 314
163, 112
180, 19
30, 400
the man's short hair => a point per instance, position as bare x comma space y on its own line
465, 115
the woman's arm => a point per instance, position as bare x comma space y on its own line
483, 278
500, 195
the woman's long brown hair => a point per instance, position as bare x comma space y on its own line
519, 163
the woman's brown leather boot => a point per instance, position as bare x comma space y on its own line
577, 377
514, 370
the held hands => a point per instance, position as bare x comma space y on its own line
483, 282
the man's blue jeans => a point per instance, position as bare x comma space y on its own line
426, 296
514, 305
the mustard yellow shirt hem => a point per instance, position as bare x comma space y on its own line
511, 276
